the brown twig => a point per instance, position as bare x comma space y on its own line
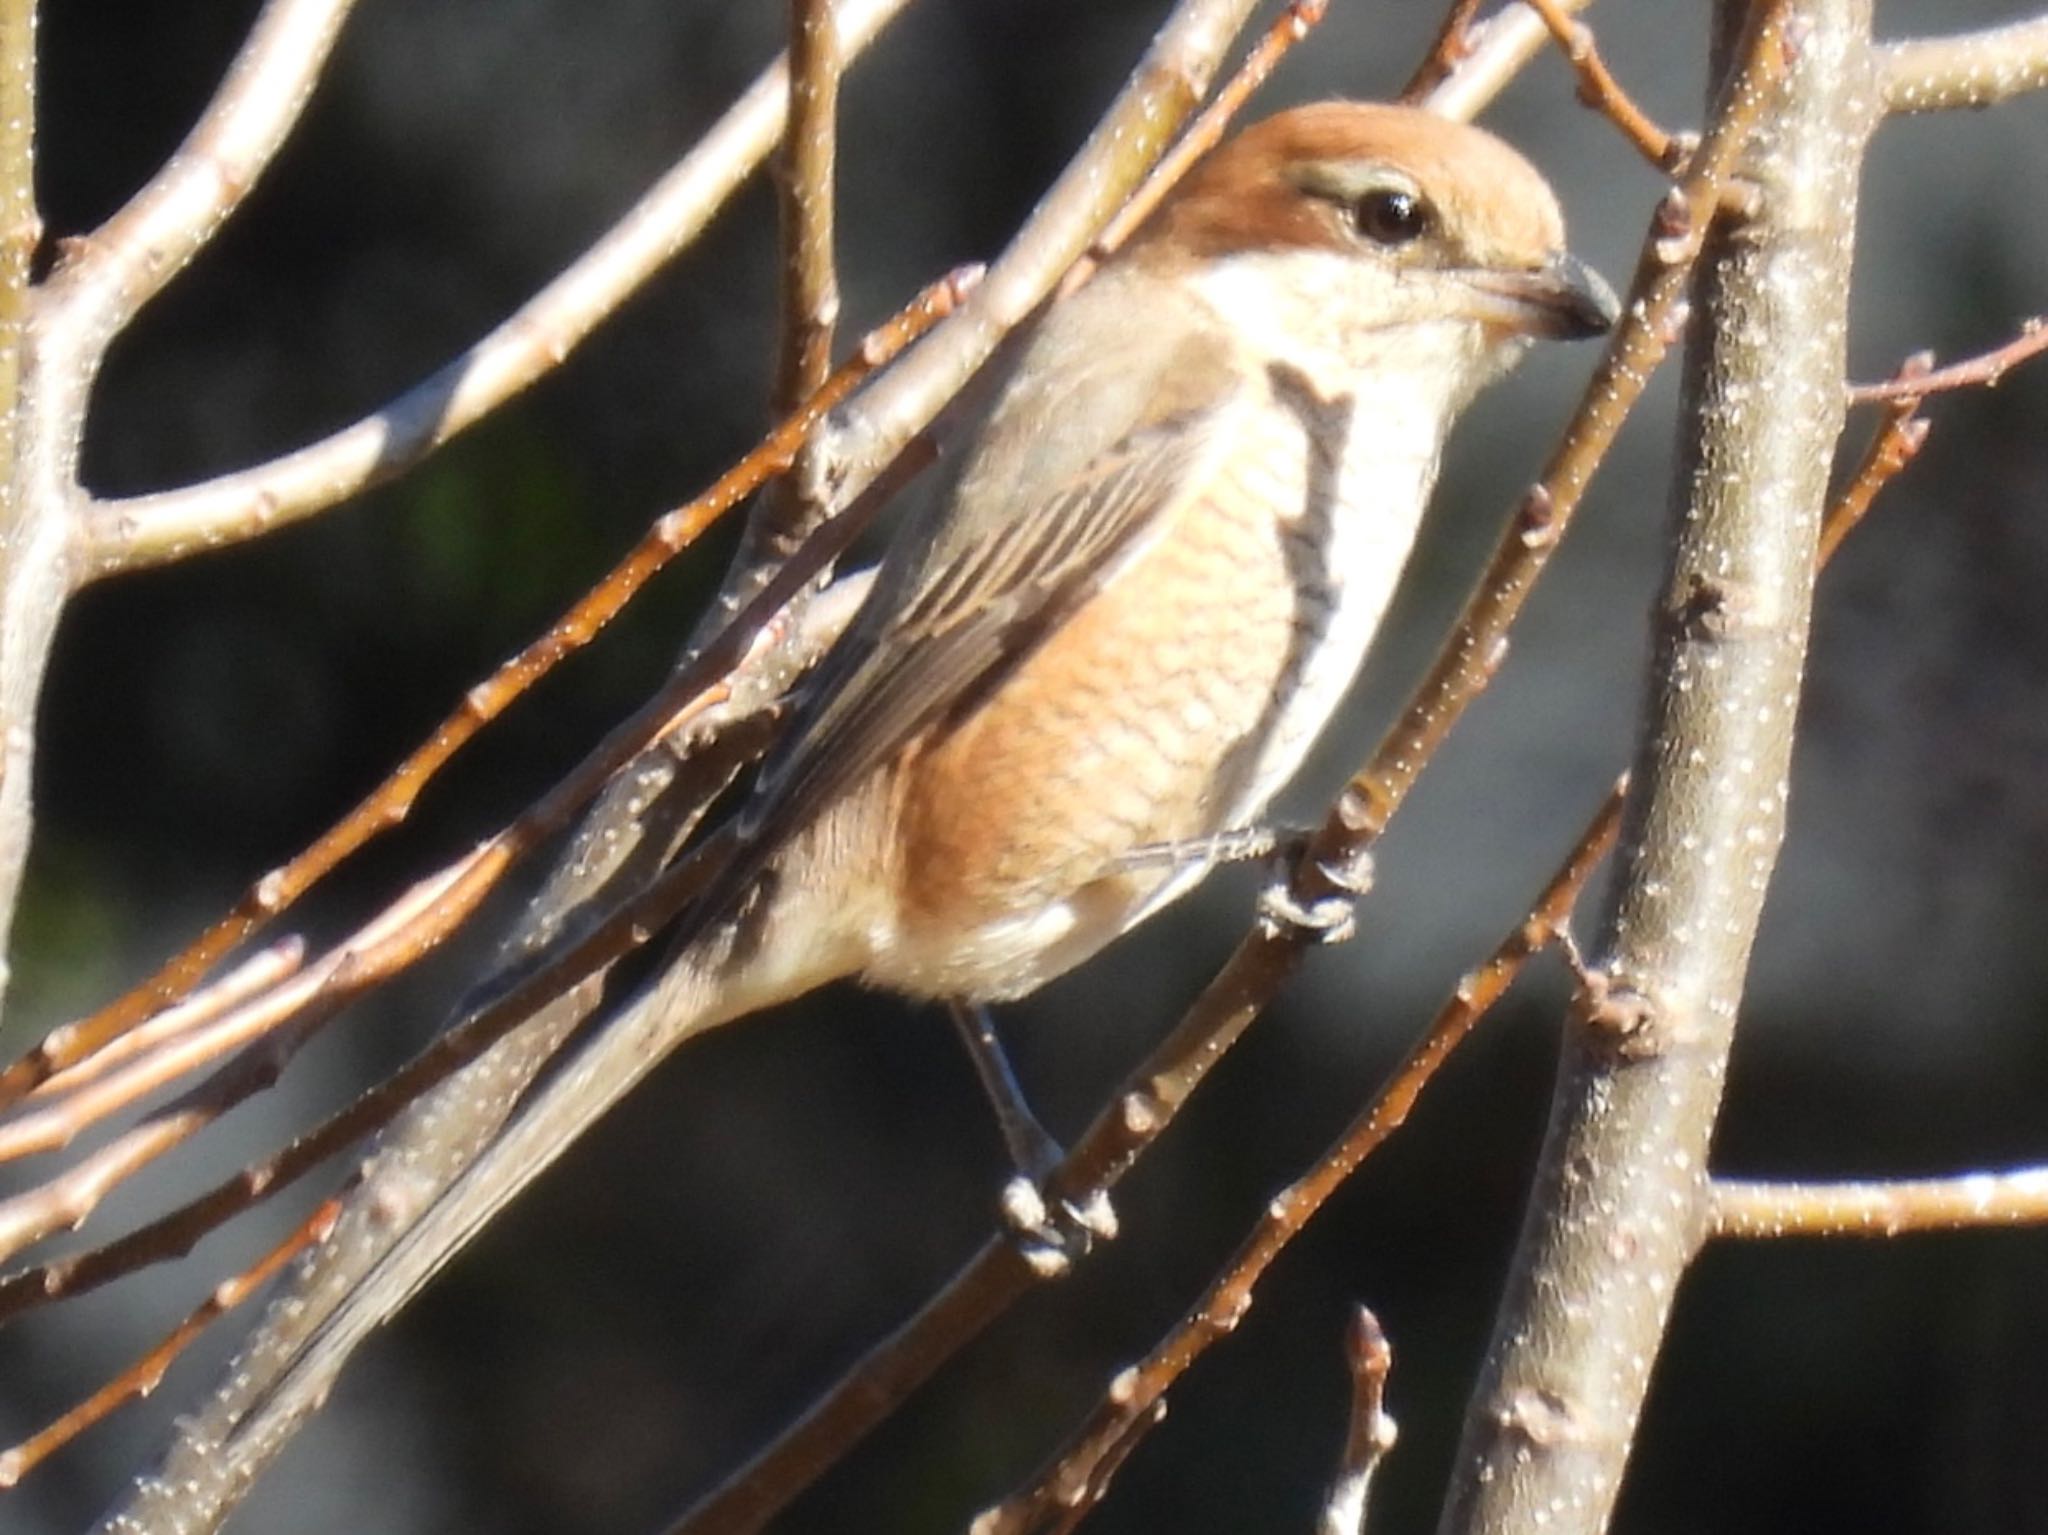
1982, 371
1599, 89
132, 532
1451, 46
805, 172
1494, 52
388, 805
393, 936
1897, 440
1137, 1390
1878, 1208
1369, 1437
1973, 69
257, 974
1295, 22
143, 1377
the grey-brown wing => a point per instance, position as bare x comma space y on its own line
959, 624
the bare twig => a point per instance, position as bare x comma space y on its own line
805, 174
1494, 52
396, 934
1898, 438
1127, 141
1878, 1208
1972, 69
1982, 371
1599, 89
1294, 23
107, 276
148, 530
147, 1373
1138, 1390
1619, 1200
1452, 45
256, 974
1369, 1438
388, 805
208, 1026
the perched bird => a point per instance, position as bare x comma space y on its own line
1156, 574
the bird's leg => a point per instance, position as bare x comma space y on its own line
1051, 1231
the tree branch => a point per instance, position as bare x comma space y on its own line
1619, 1203
1972, 69
1886, 1208
107, 276
138, 531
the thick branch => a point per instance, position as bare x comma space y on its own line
1620, 1199
152, 529
1973, 69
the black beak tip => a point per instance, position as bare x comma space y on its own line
1586, 306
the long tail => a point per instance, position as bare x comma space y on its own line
606, 1063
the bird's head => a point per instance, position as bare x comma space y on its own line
1430, 219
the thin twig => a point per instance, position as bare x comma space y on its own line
1370, 1435
1137, 1391
1599, 89
143, 1377
137, 531
805, 172
376, 950
203, 1029
1878, 1208
1451, 46
1972, 69
1126, 143
388, 805
1494, 52
1982, 371
1897, 440
108, 275
1294, 23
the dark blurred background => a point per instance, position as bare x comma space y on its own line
781, 1194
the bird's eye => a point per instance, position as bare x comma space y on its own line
1391, 217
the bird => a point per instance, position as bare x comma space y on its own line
1155, 574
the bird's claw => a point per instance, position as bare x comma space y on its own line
1052, 1236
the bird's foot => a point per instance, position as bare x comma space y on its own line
1053, 1234
1329, 914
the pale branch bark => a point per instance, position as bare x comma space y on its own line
21, 229
1129, 137
1971, 69
1620, 1198
39, 414
106, 277
131, 532
1879, 1207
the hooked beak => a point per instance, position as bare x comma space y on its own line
1562, 300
